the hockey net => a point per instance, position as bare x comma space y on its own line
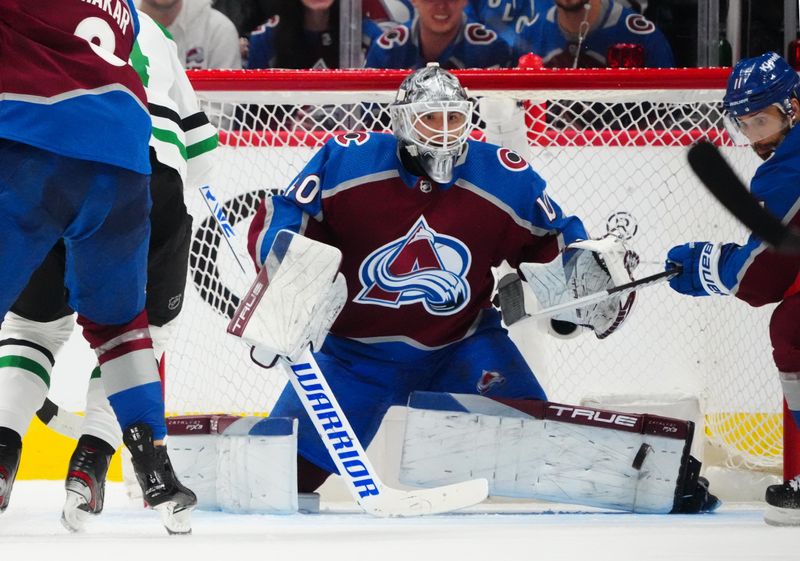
612, 147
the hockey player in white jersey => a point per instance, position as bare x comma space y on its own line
180, 152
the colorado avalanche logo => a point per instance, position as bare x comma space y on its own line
423, 266
489, 379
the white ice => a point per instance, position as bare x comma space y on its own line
30, 529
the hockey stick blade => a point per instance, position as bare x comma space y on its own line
60, 420
603, 294
720, 179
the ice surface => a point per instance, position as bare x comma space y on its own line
30, 529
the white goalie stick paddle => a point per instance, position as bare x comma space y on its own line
603, 294
720, 179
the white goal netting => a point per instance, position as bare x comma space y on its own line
616, 157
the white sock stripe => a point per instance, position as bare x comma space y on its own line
790, 382
127, 337
23, 393
100, 420
130, 370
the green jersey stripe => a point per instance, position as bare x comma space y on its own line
170, 138
202, 147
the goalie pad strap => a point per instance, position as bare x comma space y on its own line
548, 410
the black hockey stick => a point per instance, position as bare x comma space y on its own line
719, 178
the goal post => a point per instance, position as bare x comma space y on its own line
611, 145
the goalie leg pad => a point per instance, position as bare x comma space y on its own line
547, 451
242, 465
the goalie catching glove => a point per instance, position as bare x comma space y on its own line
294, 300
596, 265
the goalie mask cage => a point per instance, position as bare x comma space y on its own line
611, 145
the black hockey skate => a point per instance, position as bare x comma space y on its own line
10, 453
86, 482
692, 495
783, 504
160, 486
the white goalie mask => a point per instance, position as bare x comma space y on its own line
432, 119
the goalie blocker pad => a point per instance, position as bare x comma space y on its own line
294, 299
238, 464
550, 451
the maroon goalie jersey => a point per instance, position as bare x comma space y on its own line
66, 85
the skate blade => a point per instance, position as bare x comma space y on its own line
777, 516
177, 519
74, 518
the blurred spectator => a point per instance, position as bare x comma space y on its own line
394, 11
303, 34
762, 27
441, 32
205, 37
507, 17
246, 15
677, 19
569, 35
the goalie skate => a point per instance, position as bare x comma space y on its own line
160, 486
85, 485
783, 504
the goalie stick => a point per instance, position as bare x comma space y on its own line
720, 179
603, 294
350, 458
346, 451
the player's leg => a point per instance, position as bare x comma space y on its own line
41, 318
166, 280
168, 254
364, 389
105, 274
783, 501
35, 212
88, 466
32, 334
